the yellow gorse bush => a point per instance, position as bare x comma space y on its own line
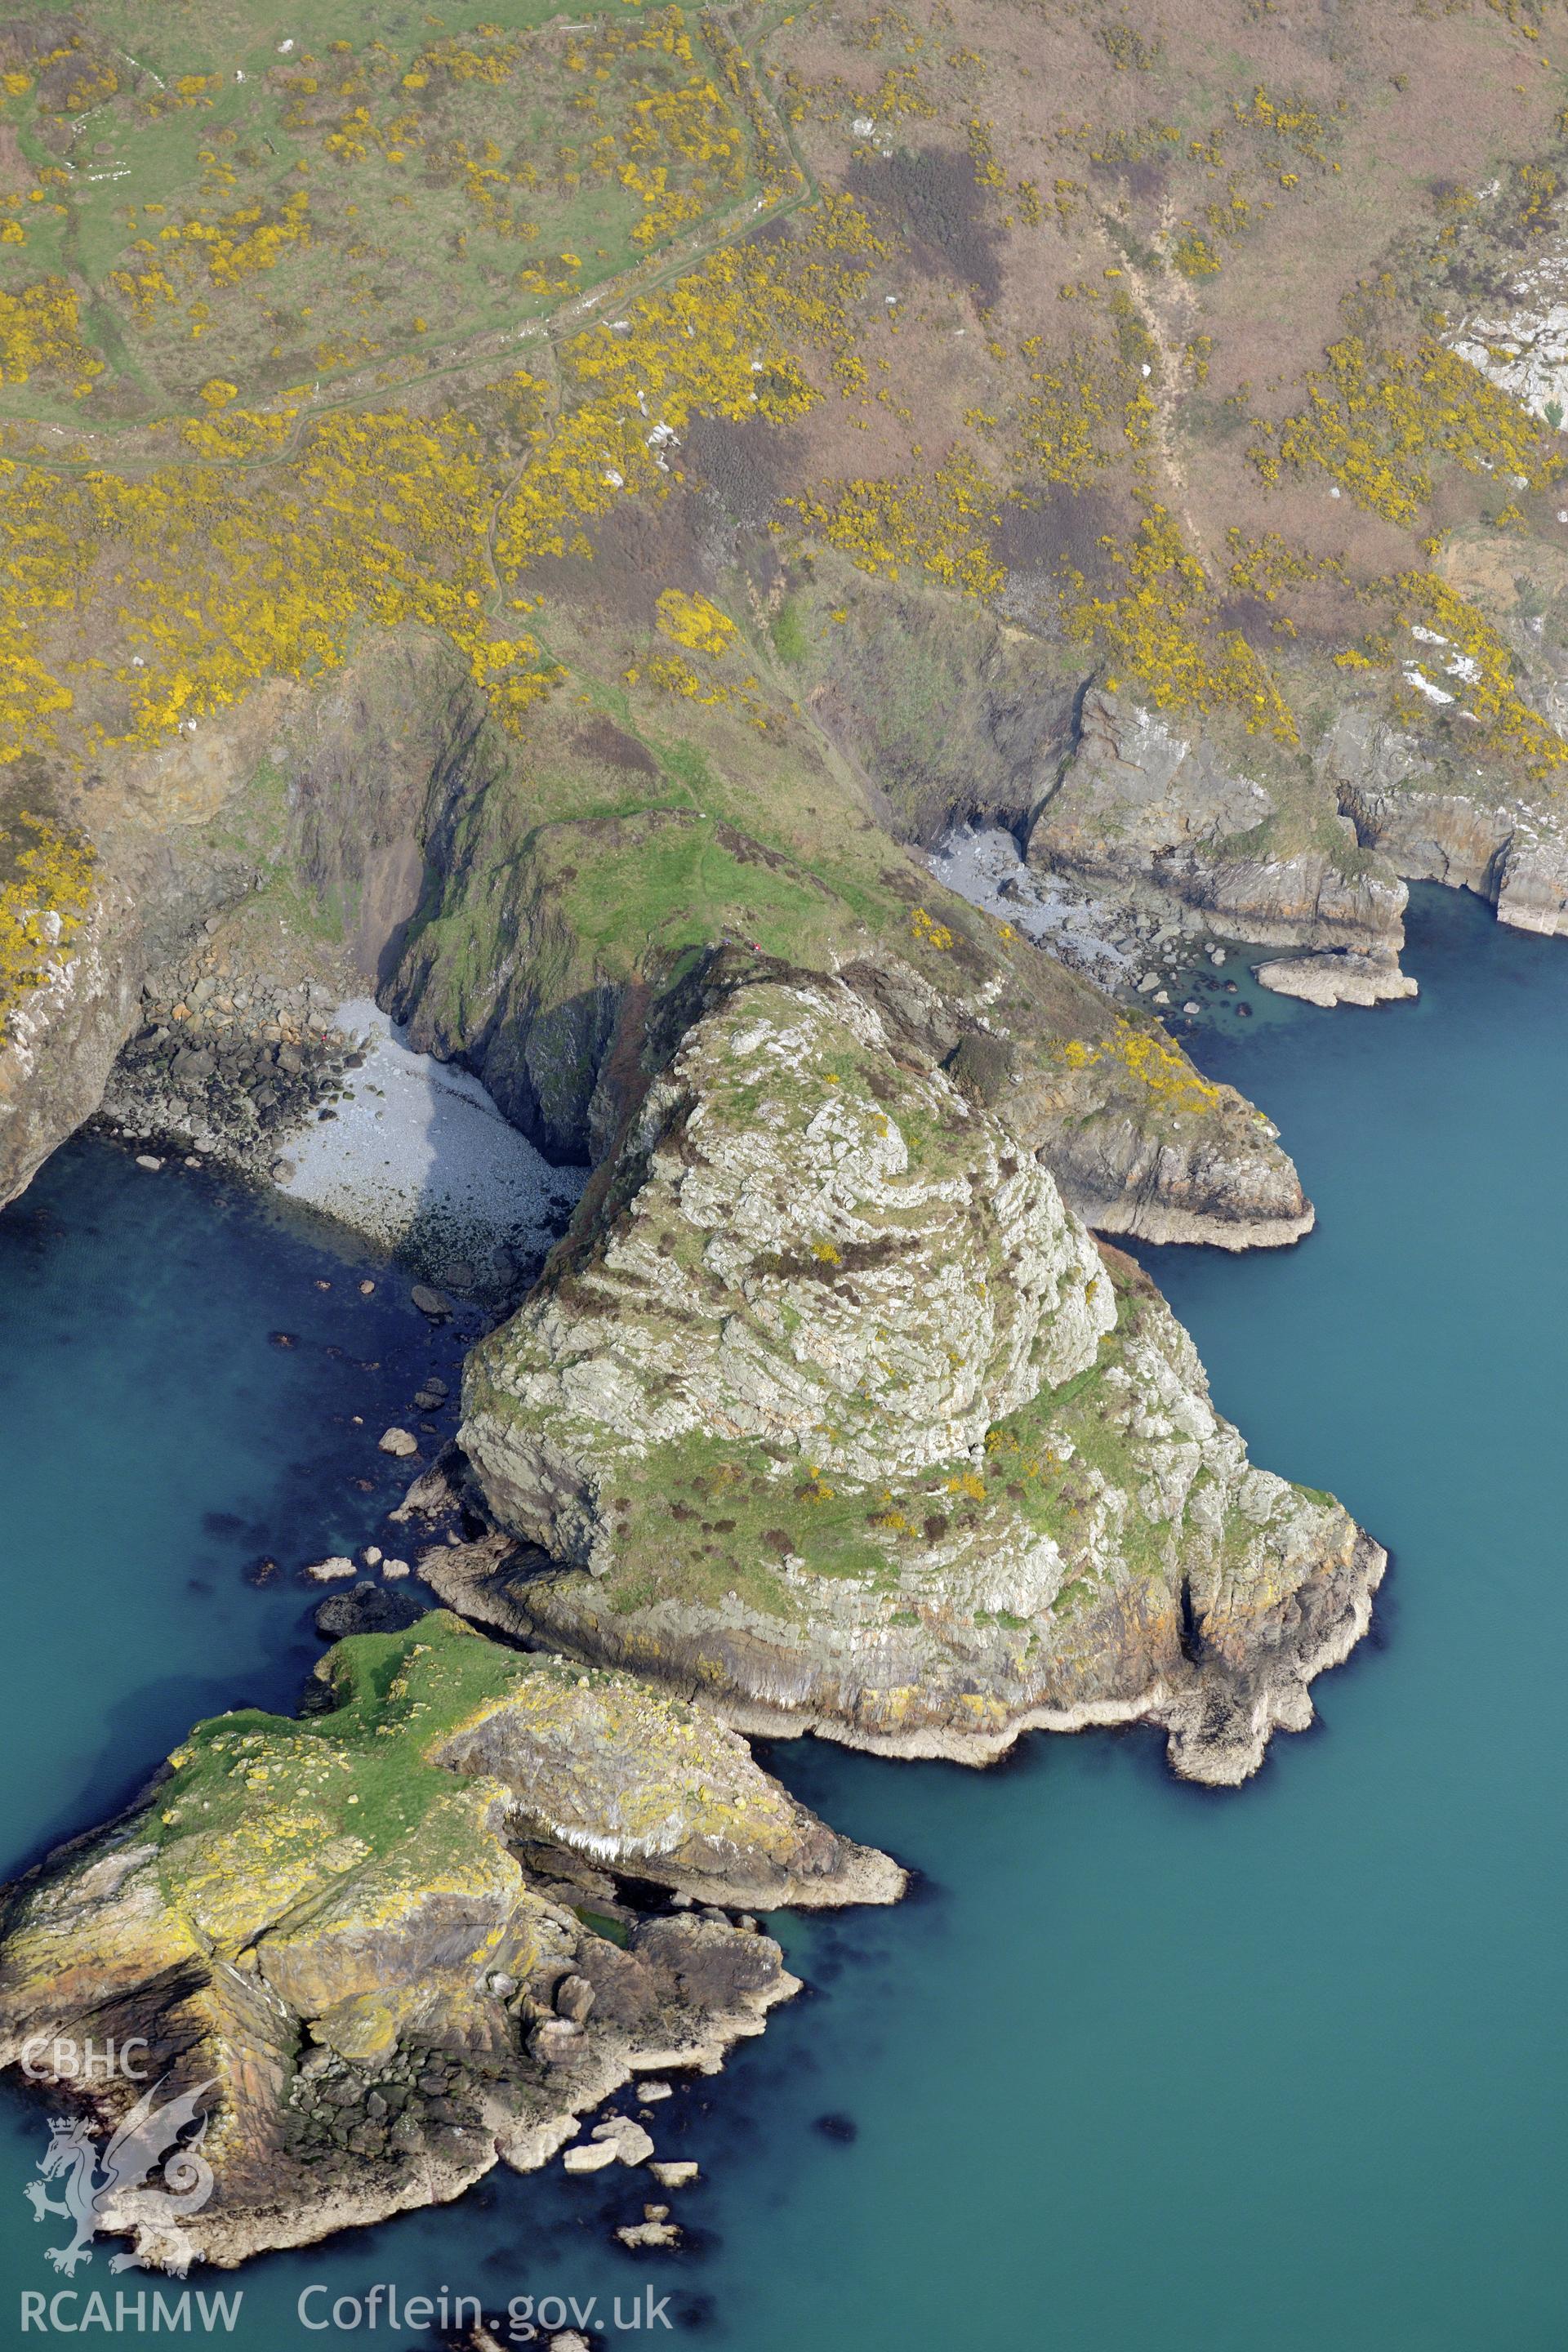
928, 931
1290, 120
1163, 625
264, 557
693, 621
218, 578
1378, 422
1470, 663
223, 252
940, 523
1148, 1057
40, 333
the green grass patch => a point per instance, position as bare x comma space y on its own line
788, 633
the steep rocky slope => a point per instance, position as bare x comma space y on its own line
831, 1411
323, 1928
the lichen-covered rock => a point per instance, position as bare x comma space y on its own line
1137, 1140
645, 1784
834, 1412
823, 1256
1140, 1144
324, 1922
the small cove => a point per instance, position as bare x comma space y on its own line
1138, 2064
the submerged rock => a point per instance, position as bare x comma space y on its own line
320, 1926
837, 1414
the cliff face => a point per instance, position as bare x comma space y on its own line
379, 831
1143, 806
832, 1410
183, 837
1141, 802
514, 965
1470, 831
59, 1048
327, 1923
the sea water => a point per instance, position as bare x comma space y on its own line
1137, 2065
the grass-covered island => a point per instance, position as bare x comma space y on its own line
390, 1935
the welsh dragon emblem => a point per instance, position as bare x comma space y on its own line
110, 2190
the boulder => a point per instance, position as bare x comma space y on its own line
327, 1571
627, 2140
368, 1609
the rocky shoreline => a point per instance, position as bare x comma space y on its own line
830, 1414
555, 1896
229, 1066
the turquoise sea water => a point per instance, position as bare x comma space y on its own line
1139, 2065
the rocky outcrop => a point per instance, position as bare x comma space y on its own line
1331, 980
325, 1934
832, 1410
510, 967
1142, 804
1142, 1145
1138, 1140
1474, 834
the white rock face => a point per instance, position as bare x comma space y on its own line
1524, 348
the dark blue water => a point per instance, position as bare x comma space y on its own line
1139, 2065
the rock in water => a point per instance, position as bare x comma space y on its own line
627, 2141
1329, 980
323, 1924
400, 1442
640, 2235
838, 1413
327, 1571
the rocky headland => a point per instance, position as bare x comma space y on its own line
831, 1411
